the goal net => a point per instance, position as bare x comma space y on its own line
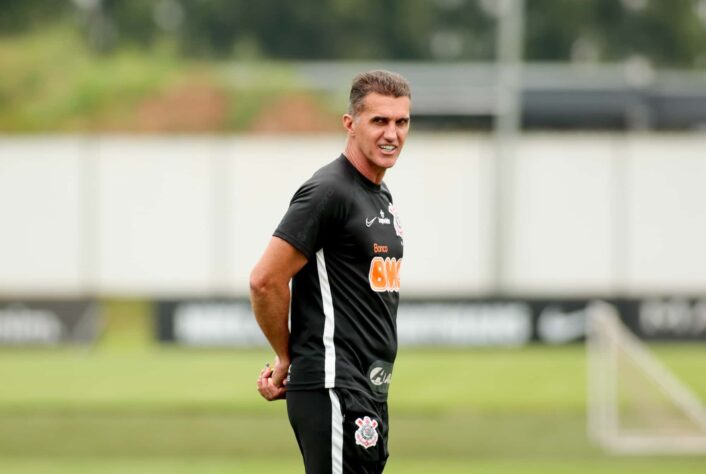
636, 405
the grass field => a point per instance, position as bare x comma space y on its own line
169, 410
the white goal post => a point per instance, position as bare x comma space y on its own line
636, 405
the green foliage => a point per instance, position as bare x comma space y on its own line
668, 33
16, 17
67, 68
55, 82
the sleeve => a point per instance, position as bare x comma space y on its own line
313, 212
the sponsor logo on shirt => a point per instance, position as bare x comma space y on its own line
380, 220
380, 376
378, 248
385, 274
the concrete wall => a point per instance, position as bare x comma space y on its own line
593, 214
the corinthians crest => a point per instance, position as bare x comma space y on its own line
396, 220
367, 434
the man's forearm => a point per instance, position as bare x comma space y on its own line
271, 307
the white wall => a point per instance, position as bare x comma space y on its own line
154, 215
667, 213
592, 213
561, 228
40, 215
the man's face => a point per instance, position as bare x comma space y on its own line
380, 129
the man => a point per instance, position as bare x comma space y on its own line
340, 243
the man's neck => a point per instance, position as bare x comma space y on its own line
364, 167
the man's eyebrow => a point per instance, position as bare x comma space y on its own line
385, 117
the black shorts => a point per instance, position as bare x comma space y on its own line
339, 431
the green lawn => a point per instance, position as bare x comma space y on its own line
170, 410
230, 465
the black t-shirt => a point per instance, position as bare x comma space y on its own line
344, 300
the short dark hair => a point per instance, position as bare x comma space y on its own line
378, 81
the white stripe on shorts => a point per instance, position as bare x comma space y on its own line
327, 301
336, 434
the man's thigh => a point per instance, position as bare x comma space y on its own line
338, 431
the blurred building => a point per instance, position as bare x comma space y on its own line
564, 96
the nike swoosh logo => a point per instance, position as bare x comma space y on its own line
370, 222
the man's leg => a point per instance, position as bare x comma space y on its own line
339, 431
365, 431
317, 422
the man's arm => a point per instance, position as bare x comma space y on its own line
269, 296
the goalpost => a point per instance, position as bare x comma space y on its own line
636, 405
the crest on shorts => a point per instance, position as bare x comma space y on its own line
367, 433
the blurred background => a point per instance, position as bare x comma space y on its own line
557, 157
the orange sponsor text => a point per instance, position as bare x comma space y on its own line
385, 274
377, 248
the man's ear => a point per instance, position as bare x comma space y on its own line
348, 122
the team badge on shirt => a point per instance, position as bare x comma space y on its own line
367, 433
396, 220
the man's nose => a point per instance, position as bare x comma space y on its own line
391, 131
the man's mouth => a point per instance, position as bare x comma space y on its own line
387, 148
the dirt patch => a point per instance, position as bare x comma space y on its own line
295, 113
192, 107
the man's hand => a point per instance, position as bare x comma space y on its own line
272, 382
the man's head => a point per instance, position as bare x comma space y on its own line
380, 82
377, 121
